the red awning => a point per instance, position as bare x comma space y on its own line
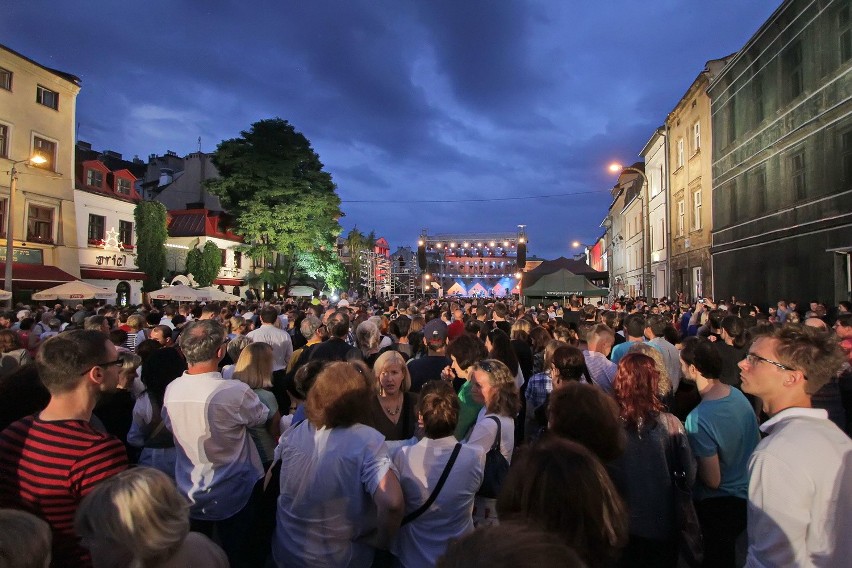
103, 274
229, 282
36, 276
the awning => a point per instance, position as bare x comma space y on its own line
102, 274
36, 276
229, 282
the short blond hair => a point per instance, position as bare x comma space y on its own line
25, 540
139, 509
387, 359
254, 367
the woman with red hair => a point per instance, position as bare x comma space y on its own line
642, 474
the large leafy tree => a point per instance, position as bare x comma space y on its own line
284, 202
151, 235
204, 263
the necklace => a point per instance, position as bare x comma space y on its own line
392, 412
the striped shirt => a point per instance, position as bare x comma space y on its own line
47, 467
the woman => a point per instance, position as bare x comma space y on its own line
339, 495
520, 341
232, 355
732, 349
367, 338
393, 409
664, 384
591, 517
499, 347
139, 519
587, 415
135, 333
421, 541
643, 473
537, 389
254, 368
12, 355
493, 386
236, 326
539, 338
464, 351
722, 433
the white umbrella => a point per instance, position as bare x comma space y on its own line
4, 295
301, 291
74, 290
181, 293
218, 295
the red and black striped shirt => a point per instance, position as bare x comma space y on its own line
47, 467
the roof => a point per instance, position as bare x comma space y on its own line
61, 74
36, 276
574, 266
201, 223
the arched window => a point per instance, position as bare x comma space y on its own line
122, 292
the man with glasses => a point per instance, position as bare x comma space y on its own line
800, 486
51, 460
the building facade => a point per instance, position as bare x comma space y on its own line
623, 225
656, 170
37, 116
782, 172
690, 186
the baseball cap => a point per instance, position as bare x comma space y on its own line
435, 330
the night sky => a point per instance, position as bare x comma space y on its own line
404, 101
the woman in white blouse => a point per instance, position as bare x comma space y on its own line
493, 385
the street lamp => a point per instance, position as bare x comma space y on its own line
646, 214
10, 216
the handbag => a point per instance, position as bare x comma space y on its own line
428, 503
496, 467
690, 543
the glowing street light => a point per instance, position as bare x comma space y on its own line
36, 159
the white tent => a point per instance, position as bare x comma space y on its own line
301, 291
75, 290
218, 295
181, 293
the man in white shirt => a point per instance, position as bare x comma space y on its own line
218, 467
800, 485
601, 369
278, 339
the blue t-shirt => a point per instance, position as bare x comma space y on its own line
725, 427
620, 350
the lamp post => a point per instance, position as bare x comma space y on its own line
646, 217
10, 216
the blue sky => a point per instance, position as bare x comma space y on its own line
404, 100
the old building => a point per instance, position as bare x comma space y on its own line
624, 232
656, 171
690, 187
37, 117
782, 145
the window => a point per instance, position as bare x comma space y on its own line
846, 158
94, 178
732, 203
122, 186
797, 175
238, 259
844, 28
791, 63
680, 152
3, 203
662, 241
224, 253
125, 232
698, 289
47, 150
731, 121
696, 210
681, 214
757, 97
4, 141
40, 224
5, 79
696, 137
46, 97
97, 225
759, 185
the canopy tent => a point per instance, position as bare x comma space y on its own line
76, 290
181, 293
218, 295
558, 286
301, 291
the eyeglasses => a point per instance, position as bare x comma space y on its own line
117, 363
754, 358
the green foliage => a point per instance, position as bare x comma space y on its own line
325, 266
151, 235
204, 263
283, 201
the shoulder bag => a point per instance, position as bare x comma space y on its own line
496, 467
428, 503
690, 543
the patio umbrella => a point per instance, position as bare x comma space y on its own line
181, 293
4, 295
75, 290
301, 291
218, 295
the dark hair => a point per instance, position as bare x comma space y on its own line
587, 415
501, 349
467, 350
338, 323
634, 325
439, 407
844, 319
814, 352
161, 368
539, 337
714, 318
590, 516
658, 324
118, 336
306, 376
570, 363
268, 314
702, 354
735, 327
146, 347
63, 358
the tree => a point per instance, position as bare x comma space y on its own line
324, 266
204, 263
284, 202
151, 235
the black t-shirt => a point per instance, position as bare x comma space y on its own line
335, 349
426, 369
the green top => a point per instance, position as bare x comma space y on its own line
468, 411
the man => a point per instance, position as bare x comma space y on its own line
168, 314
311, 330
278, 339
634, 329
162, 334
429, 368
500, 314
97, 323
336, 348
800, 486
655, 329
217, 464
50, 461
601, 369
456, 326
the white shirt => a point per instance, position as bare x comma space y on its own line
328, 478
217, 462
485, 430
422, 541
278, 339
800, 493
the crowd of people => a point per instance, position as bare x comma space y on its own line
426, 433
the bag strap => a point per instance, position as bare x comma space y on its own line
498, 438
677, 471
444, 474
